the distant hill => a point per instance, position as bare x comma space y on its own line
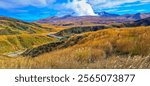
145, 22
79, 30
142, 22
103, 18
13, 26
81, 20
136, 16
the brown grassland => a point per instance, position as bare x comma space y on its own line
11, 43
109, 48
55, 29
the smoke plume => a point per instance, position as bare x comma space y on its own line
81, 7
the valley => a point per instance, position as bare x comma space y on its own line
16, 35
43, 44
109, 48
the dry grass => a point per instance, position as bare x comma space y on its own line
110, 48
10, 43
76, 58
55, 28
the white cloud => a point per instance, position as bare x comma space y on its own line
80, 7
36, 3
7, 4
100, 4
145, 0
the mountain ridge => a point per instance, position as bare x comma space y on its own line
103, 18
142, 22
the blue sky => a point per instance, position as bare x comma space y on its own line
31, 10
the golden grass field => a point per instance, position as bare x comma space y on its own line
109, 48
55, 28
10, 43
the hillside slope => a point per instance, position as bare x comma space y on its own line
134, 41
12, 43
13, 26
78, 30
142, 22
109, 48
137, 16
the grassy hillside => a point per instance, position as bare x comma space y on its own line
10, 43
109, 48
13, 26
78, 30
17, 35
54, 29
124, 41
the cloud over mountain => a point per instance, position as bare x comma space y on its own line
100, 4
80, 7
29, 9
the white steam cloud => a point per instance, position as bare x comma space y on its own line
81, 8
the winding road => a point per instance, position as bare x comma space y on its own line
17, 53
14, 54
51, 35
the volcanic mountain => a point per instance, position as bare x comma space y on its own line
103, 18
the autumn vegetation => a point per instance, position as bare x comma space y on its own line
108, 48
10, 43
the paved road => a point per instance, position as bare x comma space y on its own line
51, 35
15, 54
